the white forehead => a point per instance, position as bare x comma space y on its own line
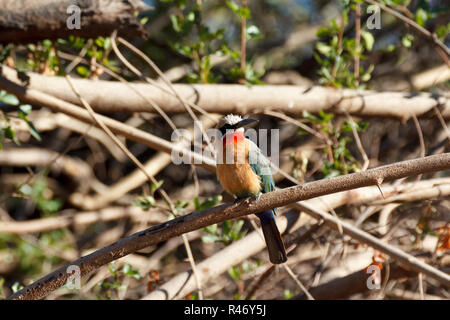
232, 119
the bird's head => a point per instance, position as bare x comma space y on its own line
233, 123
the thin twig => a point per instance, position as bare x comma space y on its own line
359, 145
164, 78
357, 41
297, 281
243, 42
420, 281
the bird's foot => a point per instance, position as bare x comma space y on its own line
253, 198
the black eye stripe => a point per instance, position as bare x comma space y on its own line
226, 127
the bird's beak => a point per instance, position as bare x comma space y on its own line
246, 122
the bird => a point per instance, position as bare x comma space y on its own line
248, 175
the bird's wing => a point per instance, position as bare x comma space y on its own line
261, 166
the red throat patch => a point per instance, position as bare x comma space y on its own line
233, 137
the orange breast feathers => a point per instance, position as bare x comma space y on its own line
234, 172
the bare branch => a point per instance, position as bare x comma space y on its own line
31, 21
278, 198
112, 97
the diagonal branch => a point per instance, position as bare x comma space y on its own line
200, 219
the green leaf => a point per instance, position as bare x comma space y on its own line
145, 202
100, 41
368, 39
180, 205
310, 117
25, 109
144, 20
83, 71
407, 40
49, 206
233, 5
243, 12
326, 117
128, 270
16, 287
33, 131
421, 17
323, 32
175, 23
10, 99
234, 272
288, 294
443, 31
26, 189
10, 134
207, 203
210, 238
323, 48
253, 32
156, 186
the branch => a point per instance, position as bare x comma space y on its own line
200, 219
113, 97
355, 283
182, 283
35, 20
38, 98
79, 219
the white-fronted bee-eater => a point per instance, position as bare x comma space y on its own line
244, 171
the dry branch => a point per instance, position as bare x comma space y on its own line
114, 97
182, 283
35, 20
354, 283
132, 181
77, 169
79, 219
38, 98
200, 219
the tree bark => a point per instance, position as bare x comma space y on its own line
34, 20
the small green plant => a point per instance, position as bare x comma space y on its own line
288, 294
42, 58
336, 53
115, 282
339, 158
238, 271
23, 110
230, 231
42, 195
196, 41
32, 255
145, 202
16, 287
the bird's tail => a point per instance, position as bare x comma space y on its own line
275, 246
